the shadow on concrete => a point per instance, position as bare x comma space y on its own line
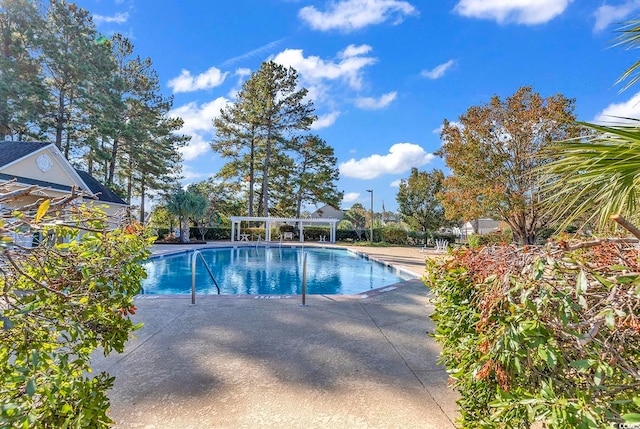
340, 361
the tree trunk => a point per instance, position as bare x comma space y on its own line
130, 182
142, 195
184, 230
67, 145
60, 119
112, 161
524, 237
251, 177
90, 163
265, 177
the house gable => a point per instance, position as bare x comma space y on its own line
327, 211
41, 162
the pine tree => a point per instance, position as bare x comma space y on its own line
67, 40
22, 90
315, 173
268, 110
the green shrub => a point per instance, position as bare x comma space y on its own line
61, 301
491, 239
530, 335
394, 235
214, 233
286, 228
346, 235
313, 233
451, 238
418, 237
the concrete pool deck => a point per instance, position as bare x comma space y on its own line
338, 362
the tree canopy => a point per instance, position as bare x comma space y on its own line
62, 81
259, 135
493, 154
418, 201
186, 206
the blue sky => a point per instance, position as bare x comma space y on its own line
383, 74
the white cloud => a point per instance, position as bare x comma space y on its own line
350, 15
190, 175
354, 50
606, 14
314, 70
401, 157
198, 123
457, 124
350, 197
614, 113
118, 18
242, 72
207, 80
395, 183
370, 103
529, 12
438, 71
325, 121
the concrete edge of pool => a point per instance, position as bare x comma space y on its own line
406, 255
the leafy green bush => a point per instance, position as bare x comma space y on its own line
540, 335
212, 233
346, 235
418, 237
394, 235
287, 228
491, 239
451, 238
313, 233
61, 300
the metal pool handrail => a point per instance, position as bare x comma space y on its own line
193, 275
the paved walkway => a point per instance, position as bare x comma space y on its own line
338, 362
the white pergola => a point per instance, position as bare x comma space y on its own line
236, 233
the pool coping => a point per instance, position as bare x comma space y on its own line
362, 295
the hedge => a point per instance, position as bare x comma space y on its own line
549, 335
391, 235
491, 239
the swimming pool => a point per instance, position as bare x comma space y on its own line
269, 270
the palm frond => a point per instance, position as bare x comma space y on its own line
594, 177
629, 38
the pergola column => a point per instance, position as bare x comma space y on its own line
233, 229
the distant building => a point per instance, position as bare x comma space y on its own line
482, 226
43, 165
328, 212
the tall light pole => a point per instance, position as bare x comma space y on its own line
371, 192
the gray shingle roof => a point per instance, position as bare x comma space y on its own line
12, 151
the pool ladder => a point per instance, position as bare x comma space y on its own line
193, 275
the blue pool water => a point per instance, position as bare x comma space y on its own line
269, 270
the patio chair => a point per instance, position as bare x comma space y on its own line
442, 245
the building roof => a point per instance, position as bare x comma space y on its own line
102, 192
329, 211
11, 151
